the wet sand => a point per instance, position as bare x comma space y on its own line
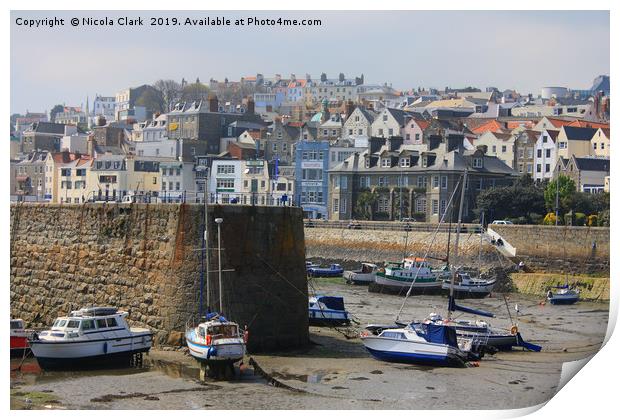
336, 372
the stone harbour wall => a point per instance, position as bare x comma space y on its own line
146, 259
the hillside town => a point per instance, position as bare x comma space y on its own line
341, 148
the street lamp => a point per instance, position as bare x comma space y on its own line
219, 221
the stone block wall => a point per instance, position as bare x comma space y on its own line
147, 259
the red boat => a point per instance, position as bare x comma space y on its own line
19, 338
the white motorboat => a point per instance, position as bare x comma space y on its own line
216, 341
90, 337
412, 273
364, 275
418, 344
327, 310
466, 286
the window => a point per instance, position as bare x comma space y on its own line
350, 131
562, 145
101, 323
548, 153
178, 171
539, 153
170, 185
494, 148
225, 183
154, 180
360, 131
274, 147
364, 181
391, 132
435, 206
312, 174
547, 167
383, 205
386, 162
385, 117
284, 147
178, 186
444, 182
381, 132
408, 136
530, 153
336, 205
435, 181
538, 168
73, 324
442, 209
477, 163
88, 324
417, 136
383, 181
420, 205
80, 172
405, 162
544, 139
225, 169
111, 322
503, 149
421, 182
64, 172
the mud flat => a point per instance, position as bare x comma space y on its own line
336, 372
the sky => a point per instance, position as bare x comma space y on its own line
522, 50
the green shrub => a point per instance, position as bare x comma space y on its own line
580, 219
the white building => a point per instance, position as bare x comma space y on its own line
545, 155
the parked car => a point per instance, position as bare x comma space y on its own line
501, 222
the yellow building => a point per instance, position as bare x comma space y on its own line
600, 142
574, 141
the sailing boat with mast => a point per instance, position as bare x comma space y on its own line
418, 343
464, 285
480, 332
215, 342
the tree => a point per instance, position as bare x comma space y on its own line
152, 100
323, 77
55, 110
564, 196
195, 92
365, 202
170, 91
523, 201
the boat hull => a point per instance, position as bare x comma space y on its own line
391, 284
353, 277
218, 353
83, 353
19, 346
468, 291
328, 317
404, 351
563, 300
90, 362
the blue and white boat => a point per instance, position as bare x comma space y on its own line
564, 296
216, 341
419, 344
327, 310
334, 270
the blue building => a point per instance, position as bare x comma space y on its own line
311, 165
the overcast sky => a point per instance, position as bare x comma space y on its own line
518, 50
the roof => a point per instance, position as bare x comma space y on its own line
579, 133
581, 123
47, 127
592, 164
493, 126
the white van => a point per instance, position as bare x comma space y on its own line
501, 222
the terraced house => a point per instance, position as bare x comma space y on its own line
393, 181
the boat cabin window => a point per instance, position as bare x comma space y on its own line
201, 332
88, 324
101, 323
73, 324
393, 334
16, 325
60, 323
111, 322
225, 331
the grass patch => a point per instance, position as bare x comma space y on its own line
32, 399
327, 280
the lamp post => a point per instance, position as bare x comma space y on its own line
219, 221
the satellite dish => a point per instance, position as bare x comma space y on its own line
247, 171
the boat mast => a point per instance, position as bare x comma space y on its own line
480, 249
206, 234
456, 242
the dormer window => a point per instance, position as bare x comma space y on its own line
386, 162
424, 161
367, 163
477, 162
405, 162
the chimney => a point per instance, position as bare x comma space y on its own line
249, 109
90, 146
349, 108
482, 147
213, 104
394, 143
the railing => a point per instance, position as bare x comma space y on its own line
388, 225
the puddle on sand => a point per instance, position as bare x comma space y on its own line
314, 378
